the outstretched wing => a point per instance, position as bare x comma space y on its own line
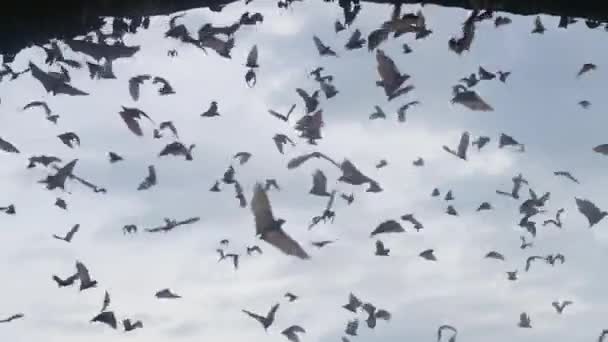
285, 243
303, 94
7, 146
106, 302
319, 183
273, 311
587, 208
44, 106
330, 203
529, 261
152, 174
354, 39
299, 160
64, 88
293, 106
463, 145
473, 101
134, 88
83, 272
254, 315
252, 57
170, 126
71, 233
262, 211
156, 230
388, 71
132, 123
319, 44
446, 327
189, 221
150, 180
106, 317
277, 115
67, 170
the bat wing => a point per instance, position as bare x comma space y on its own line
71, 233
252, 57
319, 44
299, 160
277, 115
7, 146
463, 145
330, 202
282, 241
262, 211
587, 208
64, 88
106, 301
132, 124
190, 220
83, 272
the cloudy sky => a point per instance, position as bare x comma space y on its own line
537, 106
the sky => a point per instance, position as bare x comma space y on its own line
537, 106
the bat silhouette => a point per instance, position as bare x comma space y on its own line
559, 307
593, 214
102, 50
291, 297
251, 249
166, 294
166, 88
131, 116
270, 229
12, 318
323, 49
58, 179
176, 148
53, 84
449, 328
292, 333
106, 317
69, 138
106, 301
389, 226
281, 116
530, 259
59, 202
428, 255
114, 157
134, 84
65, 282
524, 321
68, 237
129, 325
469, 99
7, 146
461, 152
381, 250
355, 41
85, 278
310, 101
172, 224
43, 159
267, 320
252, 58
150, 179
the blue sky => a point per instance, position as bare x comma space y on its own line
537, 106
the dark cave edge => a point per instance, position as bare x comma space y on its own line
30, 22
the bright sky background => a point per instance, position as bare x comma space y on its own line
537, 106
